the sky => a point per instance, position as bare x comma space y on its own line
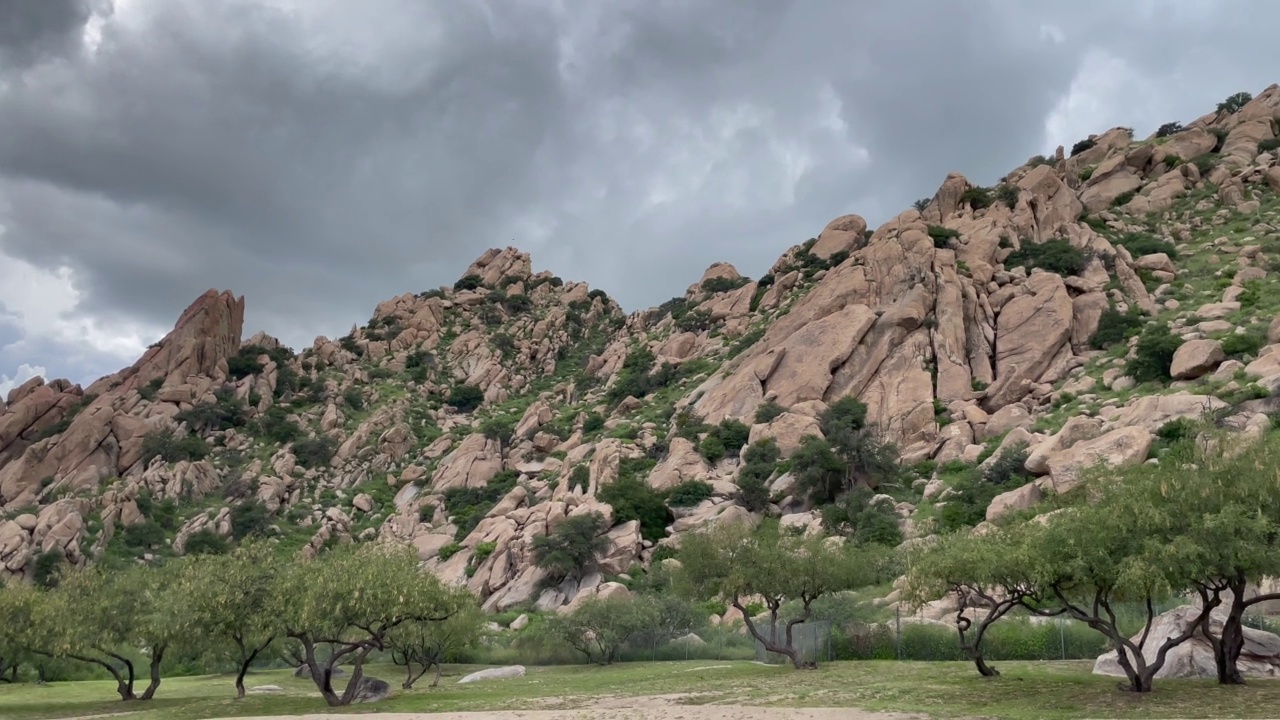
319, 156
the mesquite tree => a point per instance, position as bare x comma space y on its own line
351, 599
732, 562
420, 646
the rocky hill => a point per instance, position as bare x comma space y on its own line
1002, 339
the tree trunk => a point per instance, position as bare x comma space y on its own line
244, 670
1226, 649
770, 643
439, 671
157, 655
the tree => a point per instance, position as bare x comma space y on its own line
97, 617
733, 562
225, 600
351, 599
571, 549
18, 603
600, 628
418, 646
987, 579
1233, 103
465, 398
1153, 356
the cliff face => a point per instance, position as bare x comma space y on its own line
468, 421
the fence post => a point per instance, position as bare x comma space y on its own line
897, 632
1062, 638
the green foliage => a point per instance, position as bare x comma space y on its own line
694, 321
724, 439
205, 542
1115, 327
450, 550
249, 519
1177, 430
353, 397
1169, 128
498, 428
1123, 198
600, 629
971, 493
571, 549
635, 379
1007, 193
851, 455
767, 411
315, 452
858, 515
171, 448
1009, 466
1086, 173
579, 478
921, 204
723, 284
62, 425
689, 493
759, 462
1269, 145
1055, 255
468, 506
976, 197
1238, 345
465, 398
516, 304
942, 236
1153, 354
1234, 102
1082, 145
224, 414
633, 499
148, 391
1139, 244
276, 426
1205, 163
48, 568
592, 423
467, 282
142, 536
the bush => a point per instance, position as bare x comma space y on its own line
1056, 256
516, 304
858, 516
465, 398
759, 463
723, 284
723, 440
976, 197
315, 452
1238, 345
579, 478
1177, 429
48, 568
768, 411
942, 236
1008, 466
967, 505
1269, 144
1169, 128
1008, 194
467, 282
633, 499
1114, 327
206, 542
148, 391
1234, 102
173, 449
712, 448
593, 422
225, 414
1138, 245
1082, 146
468, 506
1086, 173
143, 536
249, 519
1154, 354
689, 493
571, 550
353, 398
1123, 198
449, 551
276, 426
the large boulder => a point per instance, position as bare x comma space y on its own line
1260, 657
1120, 447
371, 689
840, 235
500, 673
1195, 358
1030, 331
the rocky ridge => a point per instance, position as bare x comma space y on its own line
469, 420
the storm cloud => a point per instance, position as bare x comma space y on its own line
321, 155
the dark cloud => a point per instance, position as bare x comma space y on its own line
321, 156
34, 30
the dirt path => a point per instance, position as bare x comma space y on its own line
635, 712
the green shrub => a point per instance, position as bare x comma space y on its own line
1009, 466
468, 506
449, 551
1139, 244
1086, 173
276, 426
689, 493
148, 391
942, 236
1269, 144
1153, 354
142, 536
579, 478
571, 550
768, 411
1114, 327
634, 499
723, 284
967, 505
759, 463
1238, 345
976, 197
1176, 430
48, 568
1007, 193
1233, 103
224, 414
249, 519
857, 516
694, 321
206, 542
921, 204
1056, 256
353, 398
723, 440
465, 398
1039, 160
1205, 163
1082, 146
516, 304
1123, 198
593, 422
467, 282
173, 449
315, 452
1169, 128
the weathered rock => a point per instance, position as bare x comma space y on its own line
1030, 332
788, 429
1120, 447
1195, 358
1260, 657
501, 673
371, 689
840, 235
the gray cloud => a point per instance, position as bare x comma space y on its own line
319, 157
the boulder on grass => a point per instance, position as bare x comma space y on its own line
1260, 657
502, 673
371, 689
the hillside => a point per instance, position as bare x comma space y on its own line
1002, 339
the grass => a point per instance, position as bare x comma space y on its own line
1050, 690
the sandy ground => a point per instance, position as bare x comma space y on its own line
637, 708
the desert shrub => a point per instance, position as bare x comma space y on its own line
768, 411
579, 478
976, 197
689, 493
1007, 193
571, 549
1086, 173
1139, 244
48, 568
353, 398
1153, 354
467, 282
143, 536
723, 284
633, 499
148, 391
758, 464
1008, 466
1176, 430
593, 422
276, 426
1039, 160
206, 542
465, 398
862, 518
1169, 128
468, 506
249, 519
314, 452
173, 449
224, 414
942, 236
1123, 198
1238, 345
724, 439
1114, 327
450, 550
516, 304
694, 321
1234, 102
966, 506
1082, 145
244, 363
1269, 144
1056, 256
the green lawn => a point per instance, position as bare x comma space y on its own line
1025, 690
